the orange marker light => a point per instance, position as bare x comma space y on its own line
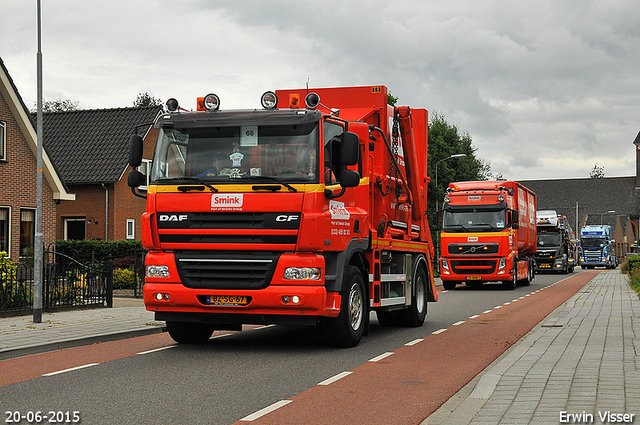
294, 101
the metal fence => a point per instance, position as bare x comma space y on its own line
67, 283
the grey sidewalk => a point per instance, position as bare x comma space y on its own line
19, 336
583, 359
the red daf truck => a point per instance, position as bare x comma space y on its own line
310, 211
488, 234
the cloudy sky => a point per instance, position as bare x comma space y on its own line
545, 89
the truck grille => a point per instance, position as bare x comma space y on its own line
472, 249
279, 230
473, 266
226, 270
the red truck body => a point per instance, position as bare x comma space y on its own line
318, 217
488, 233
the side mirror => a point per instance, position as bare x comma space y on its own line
349, 178
135, 179
434, 223
515, 219
349, 148
135, 150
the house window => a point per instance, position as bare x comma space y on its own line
131, 228
27, 231
3, 143
75, 229
145, 168
4, 229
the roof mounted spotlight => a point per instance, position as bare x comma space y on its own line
211, 102
269, 100
172, 105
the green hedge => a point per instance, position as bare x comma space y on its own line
88, 251
631, 266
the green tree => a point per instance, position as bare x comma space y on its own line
597, 172
145, 99
392, 100
58, 105
445, 140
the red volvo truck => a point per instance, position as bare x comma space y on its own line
488, 234
309, 211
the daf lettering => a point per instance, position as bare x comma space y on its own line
173, 217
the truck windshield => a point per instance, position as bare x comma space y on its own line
592, 242
474, 219
226, 153
549, 239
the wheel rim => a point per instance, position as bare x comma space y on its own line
355, 306
420, 295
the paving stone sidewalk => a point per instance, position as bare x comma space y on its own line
583, 359
20, 336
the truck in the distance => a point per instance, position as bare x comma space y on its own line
596, 247
555, 250
488, 234
310, 211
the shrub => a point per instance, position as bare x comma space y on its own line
123, 279
631, 266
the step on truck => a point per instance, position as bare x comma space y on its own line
309, 211
488, 234
555, 251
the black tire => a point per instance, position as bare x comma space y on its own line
449, 284
190, 332
413, 317
511, 284
527, 281
346, 330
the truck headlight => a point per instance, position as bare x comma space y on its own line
502, 264
156, 271
302, 273
445, 264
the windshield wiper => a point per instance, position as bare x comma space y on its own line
287, 185
455, 226
187, 178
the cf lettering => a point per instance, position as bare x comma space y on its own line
284, 217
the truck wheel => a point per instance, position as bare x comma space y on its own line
413, 316
449, 284
190, 332
511, 284
347, 329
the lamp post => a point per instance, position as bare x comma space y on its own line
608, 212
455, 155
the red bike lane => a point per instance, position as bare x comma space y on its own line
408, 385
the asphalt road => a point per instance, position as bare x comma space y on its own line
233, 376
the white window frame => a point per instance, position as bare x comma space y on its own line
131, 228
3, 141
145, 169
8, 210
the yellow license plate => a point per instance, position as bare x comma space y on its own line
226, 300
473, 278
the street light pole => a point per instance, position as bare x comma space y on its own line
456, 155
608, 212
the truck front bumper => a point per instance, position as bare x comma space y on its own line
243, 306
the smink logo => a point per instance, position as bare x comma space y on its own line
173, 217
226, 201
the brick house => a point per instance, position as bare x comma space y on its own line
18, 174
90, 149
